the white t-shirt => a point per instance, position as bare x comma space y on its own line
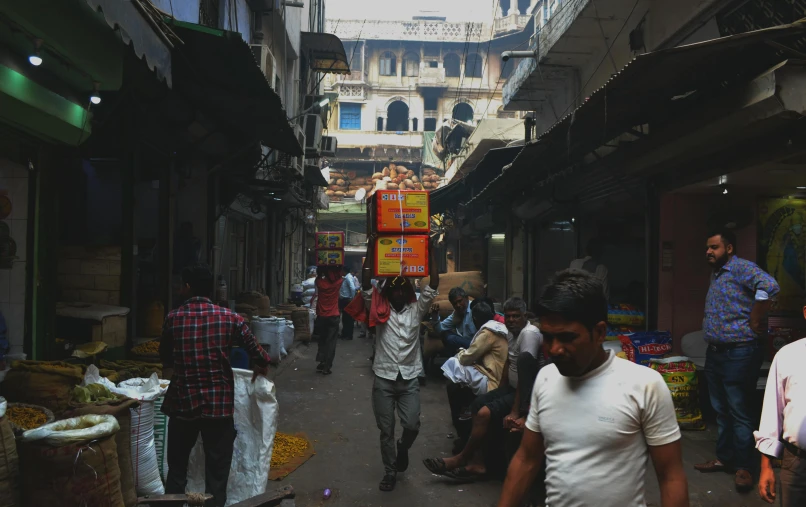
596, 431
529, 340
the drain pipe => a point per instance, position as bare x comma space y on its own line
506, 55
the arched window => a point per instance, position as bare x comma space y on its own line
411, 65
451, 65
506, 69
397, 117
388, 64
473, 65
463, 112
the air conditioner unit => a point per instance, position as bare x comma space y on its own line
265, 60
328, 146
313, 135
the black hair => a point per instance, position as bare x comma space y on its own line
576, 296
455, 293
515, 304
345, 269
200, 280
727, 235
482, 312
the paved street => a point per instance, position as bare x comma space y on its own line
336, 412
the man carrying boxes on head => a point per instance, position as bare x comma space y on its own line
329, 261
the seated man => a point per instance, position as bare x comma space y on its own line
457, 329
506, 406
480, 366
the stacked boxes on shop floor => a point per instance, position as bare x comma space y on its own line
330, 248
401, 221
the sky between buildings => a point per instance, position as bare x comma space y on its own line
454, 10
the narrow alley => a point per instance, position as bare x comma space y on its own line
336, 413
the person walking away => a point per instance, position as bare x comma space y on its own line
782, 432
592, 263
196, 342
457, 329
504, 407
735, 310
328, 286
346, 294
396, 314
596, 419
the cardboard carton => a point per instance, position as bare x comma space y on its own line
330, 257
330, 240
402, 211
405, 255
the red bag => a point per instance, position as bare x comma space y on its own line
356, 308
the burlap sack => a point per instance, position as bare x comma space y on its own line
471, 281
9, 463
120, 409
48, 384
82, 472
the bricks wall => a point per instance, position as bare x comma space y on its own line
90, 274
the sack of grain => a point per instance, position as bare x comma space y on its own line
120, 410
72, 462
9, 462
45, 383
471, 281
680, 376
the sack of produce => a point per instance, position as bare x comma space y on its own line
680, 376
256, 423
127, 369
614, 333
120, 408
302, 326
45, 383
9, 462
641, 347
625, 315
471, 281
72, 462
24, 417
148, 349
147, 480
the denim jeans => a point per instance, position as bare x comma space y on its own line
732, 375
453, 342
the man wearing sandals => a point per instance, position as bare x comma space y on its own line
397, 313
597, 419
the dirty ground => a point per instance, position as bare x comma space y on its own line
335, 411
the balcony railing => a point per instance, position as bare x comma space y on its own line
511, 23
430, 76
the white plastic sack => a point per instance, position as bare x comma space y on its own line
93, 376
269, 335
74, 430
147, 478
256, 423
3, 406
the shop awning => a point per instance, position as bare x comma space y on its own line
132, 22
651, 90
314, 176
217, 70
325, 53
489, 168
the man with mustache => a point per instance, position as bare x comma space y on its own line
735, 310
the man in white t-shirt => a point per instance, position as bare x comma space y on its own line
596, 418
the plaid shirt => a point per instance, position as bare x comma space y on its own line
196, 340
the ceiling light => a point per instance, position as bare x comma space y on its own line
801, 188
95, 98
36, 58
724, 191
324, 102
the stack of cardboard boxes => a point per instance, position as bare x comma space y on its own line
329, 248
401, 220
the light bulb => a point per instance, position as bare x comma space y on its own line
95, 99
35, 60
724, 191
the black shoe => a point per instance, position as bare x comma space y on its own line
388, 482
402, 461
328, 371
320, 367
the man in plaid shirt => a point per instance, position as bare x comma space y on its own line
196, 342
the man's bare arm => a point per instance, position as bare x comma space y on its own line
668, 462
523, 469
757, 315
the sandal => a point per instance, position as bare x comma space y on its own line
435, 465
462, 476
388, 482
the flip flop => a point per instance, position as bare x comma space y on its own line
435, 465
462, 476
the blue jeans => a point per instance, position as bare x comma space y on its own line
454, 342
732, 375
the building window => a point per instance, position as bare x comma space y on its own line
506, 69
463, 112
379, 126
414, 124
430, 103
208, 13
388, 64
349, 116
397, 117
411, 65
473, 65
451, 65
430, 124
433, 65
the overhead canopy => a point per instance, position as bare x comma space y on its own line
325, 53
653, 89
217, 70
314, 176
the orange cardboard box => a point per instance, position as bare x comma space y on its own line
404, 211
330, 240
330, 257
412, 250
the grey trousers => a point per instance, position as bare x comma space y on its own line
403, 395
793, 480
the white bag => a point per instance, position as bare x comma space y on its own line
147, 479
255, 424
